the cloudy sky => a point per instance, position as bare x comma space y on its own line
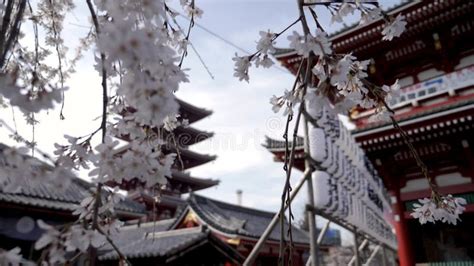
242, 115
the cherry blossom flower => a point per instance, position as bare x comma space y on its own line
394, 28
28, 101
12, 257
277, 103
318, 44
381, 115
170, 123
344, 10
447, 210
51, 238
51, 235
369, 15
392, 91
84, 209
266, 62
341, 71
425, 211
113, 198
265, 44
81, 239
241, 67
19, 169
195, 12
319, 71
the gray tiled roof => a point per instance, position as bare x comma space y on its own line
234, 219
131, 233
155, 244
44, 196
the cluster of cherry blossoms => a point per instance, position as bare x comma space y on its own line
71, 239
27, 100
139, 50
19, 170
132, 161
261, 57
341, 82
342, 78
446, 209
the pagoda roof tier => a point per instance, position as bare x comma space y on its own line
189, 183
277, 147
191, 112
179, 183
191, 159
186, 136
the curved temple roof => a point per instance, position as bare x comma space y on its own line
42, 196
238, 220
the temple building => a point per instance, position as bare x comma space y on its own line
20, 211
433, 60
208, 232
181, 182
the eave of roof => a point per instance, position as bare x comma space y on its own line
195, 158
43, 196
275, 145
285, 52
416, 117
195, 111
165, 245
231, 225
201, 183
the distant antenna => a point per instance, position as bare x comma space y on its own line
239, 197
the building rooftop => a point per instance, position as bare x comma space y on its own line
154, 241
233, 219
43, 196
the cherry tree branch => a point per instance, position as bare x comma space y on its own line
103, 126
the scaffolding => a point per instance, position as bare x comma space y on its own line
312, 212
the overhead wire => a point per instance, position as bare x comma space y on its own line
228, 42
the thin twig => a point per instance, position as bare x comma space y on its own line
3, 32
93, 251
287, 186
111, 242
57, 47
191, 24
201, 60
14, 31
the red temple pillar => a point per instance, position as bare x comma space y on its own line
405, 252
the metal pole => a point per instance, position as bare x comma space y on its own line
356, 249
256, 249
309, 213
361, 247
384, 256
323, 232
320, 239
372, 256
